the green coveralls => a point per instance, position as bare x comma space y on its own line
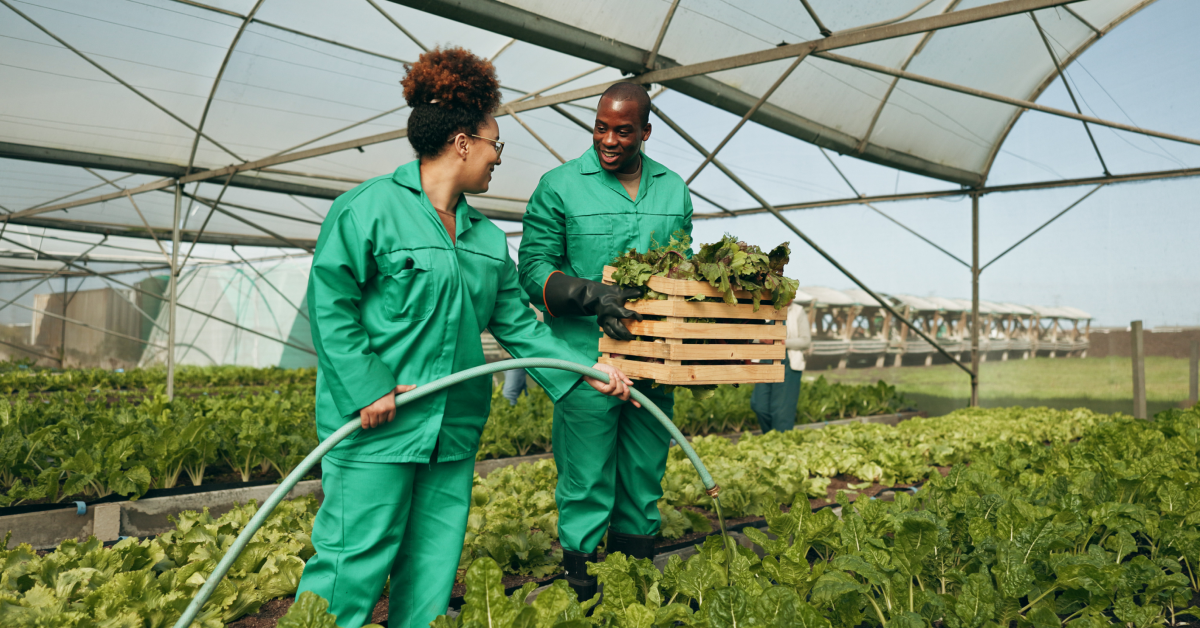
611, 456
393, 301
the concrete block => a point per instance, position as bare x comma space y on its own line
145, 517
47, 529
106, 524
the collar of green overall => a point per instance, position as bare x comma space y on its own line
409, 176
589, 164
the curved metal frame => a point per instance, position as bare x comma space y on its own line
1053, 74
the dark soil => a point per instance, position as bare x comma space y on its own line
268, 616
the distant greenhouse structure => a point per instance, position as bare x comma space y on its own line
851, 327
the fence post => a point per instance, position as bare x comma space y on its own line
1138, 353
1194, 375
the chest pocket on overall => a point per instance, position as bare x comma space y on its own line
590, 244
408, 284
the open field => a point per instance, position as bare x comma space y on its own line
1099, 384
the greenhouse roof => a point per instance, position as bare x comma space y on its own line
803, 297
949, 305
1013, 308
917, 303
861, 297
269, 105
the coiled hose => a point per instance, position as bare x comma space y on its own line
349, 428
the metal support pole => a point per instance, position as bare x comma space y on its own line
1194, 375
1063, 75
399, 26
761, 101
829, 258
1137, 351
116, 78
537, 137
174, 297
62, 339
1043, 226
975, 300
662, 32
825, 32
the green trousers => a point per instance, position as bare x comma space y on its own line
611, 458
404, 520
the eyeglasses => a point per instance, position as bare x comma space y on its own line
496, 144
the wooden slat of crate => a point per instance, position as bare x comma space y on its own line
692, 374
664, 351
724, 331
696, 309
685, 288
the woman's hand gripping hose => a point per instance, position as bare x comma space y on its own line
260, 517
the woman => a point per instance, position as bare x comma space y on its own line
405, 277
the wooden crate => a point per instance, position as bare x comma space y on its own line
740, 323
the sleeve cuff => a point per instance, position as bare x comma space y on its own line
544, 284
367, 388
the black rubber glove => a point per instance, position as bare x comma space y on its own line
572, 296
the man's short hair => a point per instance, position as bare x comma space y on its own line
619, 92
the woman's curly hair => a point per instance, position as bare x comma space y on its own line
450, 91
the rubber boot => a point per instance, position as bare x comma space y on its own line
631, 545
575, 566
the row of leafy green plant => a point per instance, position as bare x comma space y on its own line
21, 376
75, 434
1036, 521
78, 444
524, 428
1090, 533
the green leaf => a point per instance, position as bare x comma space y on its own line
309, 611
484, 600
915, 539
833, 585
727, 608
977, 600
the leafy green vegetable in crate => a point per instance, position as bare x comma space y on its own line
727, 265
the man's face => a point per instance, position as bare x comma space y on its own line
618, 135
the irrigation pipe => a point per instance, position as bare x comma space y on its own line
352, 426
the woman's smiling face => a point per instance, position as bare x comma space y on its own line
482, 158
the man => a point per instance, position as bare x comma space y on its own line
775, 404
611, 457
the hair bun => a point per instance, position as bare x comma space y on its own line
452, 78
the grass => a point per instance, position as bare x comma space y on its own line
1101, 384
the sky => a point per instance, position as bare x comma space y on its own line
1127, 252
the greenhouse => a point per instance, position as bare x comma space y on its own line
851, 313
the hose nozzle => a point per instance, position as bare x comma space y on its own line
714, 491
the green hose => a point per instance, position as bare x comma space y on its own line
311, 460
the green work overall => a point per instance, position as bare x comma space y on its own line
610, 456
393, 300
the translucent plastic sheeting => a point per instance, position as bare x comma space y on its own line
1004, 56
301, 72
265, 301
310, 73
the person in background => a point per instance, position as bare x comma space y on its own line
515, 379
514, 385
775, 404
